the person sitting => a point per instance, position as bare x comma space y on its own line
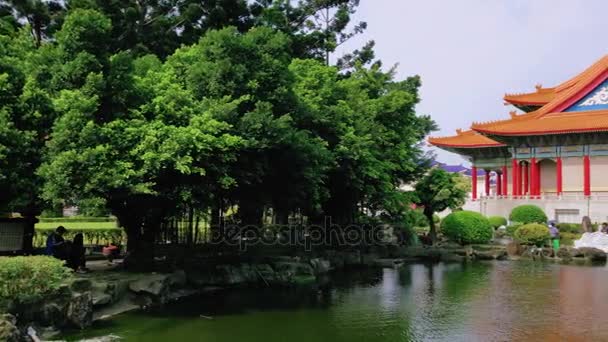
77, 260
111, 252
56, 245
604, 228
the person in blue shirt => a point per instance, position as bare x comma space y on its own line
56, 245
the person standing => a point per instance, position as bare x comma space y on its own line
554, 231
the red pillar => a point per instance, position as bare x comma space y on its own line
520, 178
505, 182
515, 173
499, 184
559, 176
533, 176
587, 175
487, 183
538, 179
474, 182
526, 190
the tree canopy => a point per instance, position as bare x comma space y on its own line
148, 108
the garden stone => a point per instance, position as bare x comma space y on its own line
320, 266
80, 310
352, 258
593, 254
81, 285
54, 314
8, 329
178, 278
514, 248
154, 284
100, 299
564, 253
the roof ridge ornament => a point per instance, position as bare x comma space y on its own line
538, 87
459, 131
513, 114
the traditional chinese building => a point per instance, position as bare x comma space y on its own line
555, 153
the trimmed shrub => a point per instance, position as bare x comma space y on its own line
77, 219
467, 227
528, 213
92, 236
513, 227
497, 221
27, 279
574, 228
533, 234
567, 239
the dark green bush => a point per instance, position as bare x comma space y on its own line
533, 234
528, 213
415, 218
574, 228
497, 221
467, 227
27, 279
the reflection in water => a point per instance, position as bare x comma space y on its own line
420, 302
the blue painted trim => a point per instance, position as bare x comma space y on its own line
596, 100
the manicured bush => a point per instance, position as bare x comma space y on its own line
466, 227
532, 234
497, 221
528, 213
76, 219
513, 227
574, 228
27, 279
92, 236
567, 239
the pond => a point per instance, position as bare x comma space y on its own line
496, 301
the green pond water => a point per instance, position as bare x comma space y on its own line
501, 301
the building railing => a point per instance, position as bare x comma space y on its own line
603, 196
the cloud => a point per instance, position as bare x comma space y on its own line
469, 53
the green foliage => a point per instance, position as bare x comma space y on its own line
62, 220
568, 238
532, 234
528, 213
437, 191
574, 228
93, 235
467, 227
415, 218
27, 279
436, 219
513, 227
497, 221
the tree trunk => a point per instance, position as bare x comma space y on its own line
432, 229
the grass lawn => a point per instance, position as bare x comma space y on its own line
76, 225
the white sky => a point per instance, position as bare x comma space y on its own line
469, 53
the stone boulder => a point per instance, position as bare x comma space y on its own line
290, 273
514, 249
8, 329
80, 310
154, 284
593, 254
320, 266
565, 253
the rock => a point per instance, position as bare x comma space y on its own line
54, 314
266, 274
514, 248
564, 253
287, 272
390, 263
452, 257
81, 285
320, 266
369, 260
231, 275
100, 299
154, 284
593, 254
80, 310
8, 329
352, 258
484, 255
178, 279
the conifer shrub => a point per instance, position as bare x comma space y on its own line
528, 213
532, 234
467, 227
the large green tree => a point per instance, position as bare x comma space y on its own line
437, 191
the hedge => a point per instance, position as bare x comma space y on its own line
76, 219
513, 227
27, 279
567, 239
92, 236
528, 213
497, 221
533, 234
467, 227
